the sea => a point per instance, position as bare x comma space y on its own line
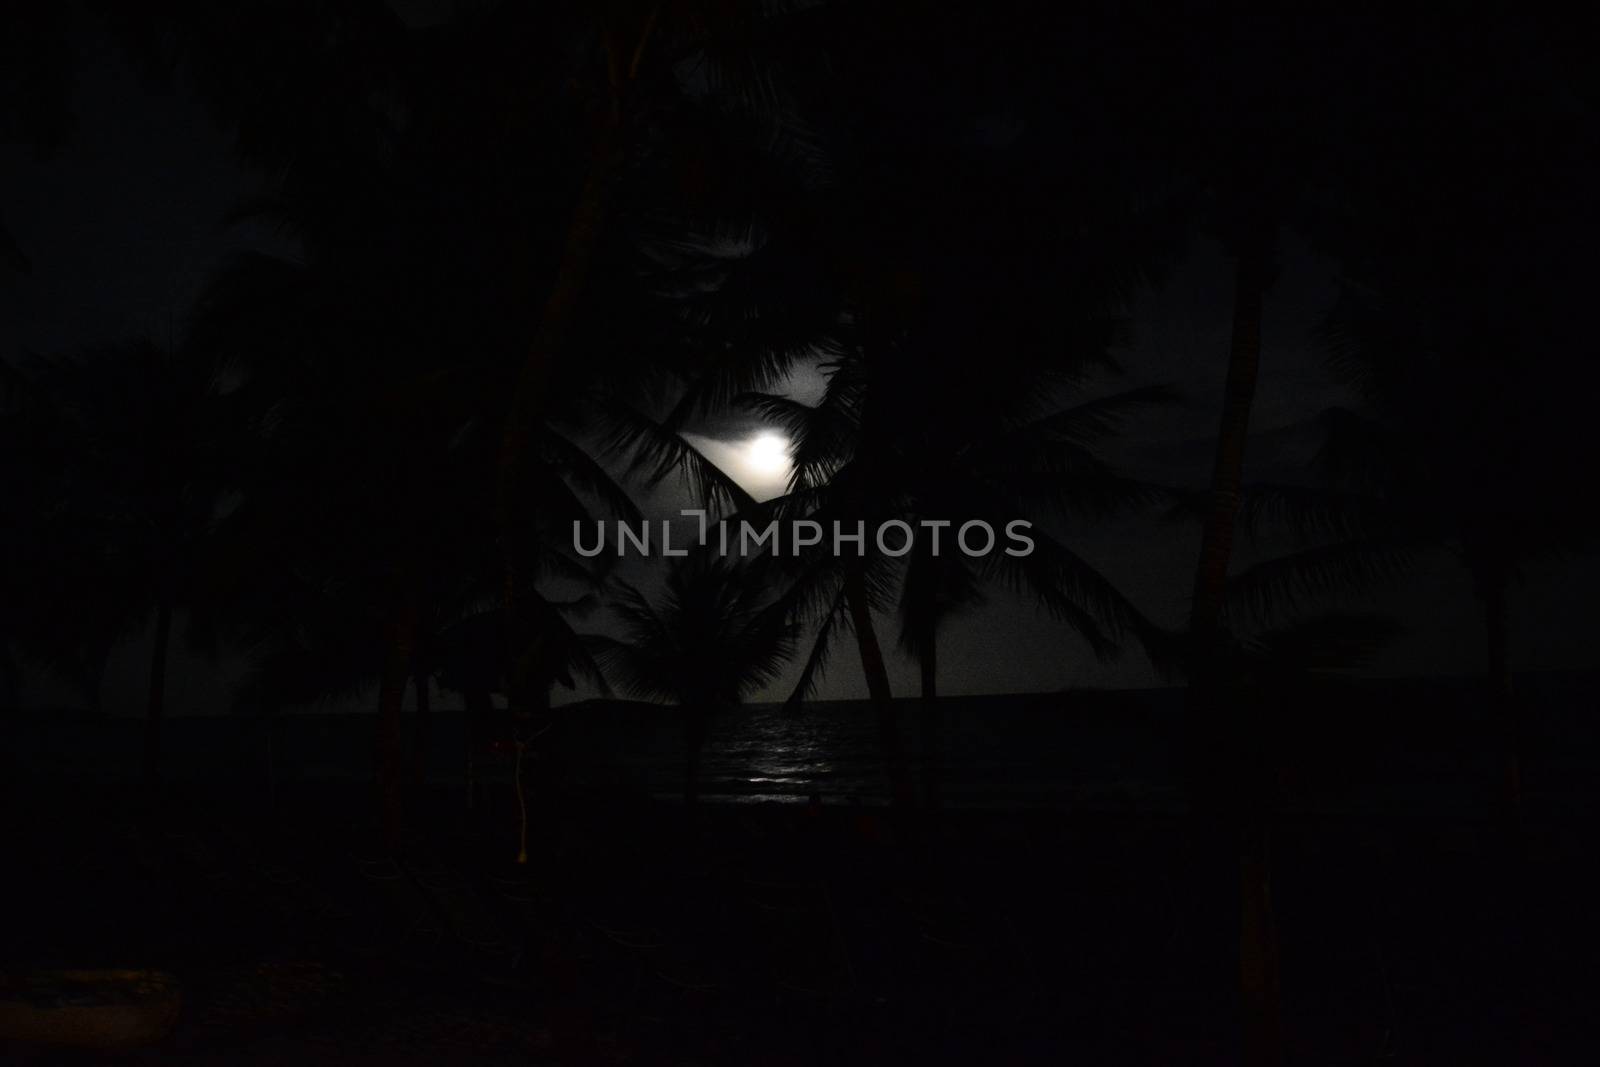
1416, 745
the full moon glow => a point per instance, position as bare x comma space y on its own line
759, 462
767, 455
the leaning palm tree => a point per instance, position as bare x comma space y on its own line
705, 643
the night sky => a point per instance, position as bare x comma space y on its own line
123, 224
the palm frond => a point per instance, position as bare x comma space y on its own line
1306, 513
1094, 421
657, 452
832, 620
1070, 590
1287, 583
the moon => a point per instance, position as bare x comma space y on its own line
759, 460
767, 455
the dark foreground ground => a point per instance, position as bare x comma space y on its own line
767, 935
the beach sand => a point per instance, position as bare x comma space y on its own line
640, 932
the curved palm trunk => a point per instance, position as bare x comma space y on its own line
399, 638
155, 708
877, 674
1217, 735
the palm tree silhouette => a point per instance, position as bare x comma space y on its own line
1468, 471
1458, 342
411, 163
898, 276
60, 576
1431, 315
705, 643
145, 436
370, 485
971, 450
632, 94
1254, 135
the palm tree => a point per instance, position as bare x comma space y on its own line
59, 576
935, 589
1472, 470
970, 450
898, 275
146, 435
1443, 327
1458, 340
328, 590
402, 142
927, 270
631, 88
705, 643
392, 332
1252, 127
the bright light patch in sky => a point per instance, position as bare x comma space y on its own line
759, 462
767, 455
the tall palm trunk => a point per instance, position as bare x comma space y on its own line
1258, 950
528, 398
155, 708
399, 639
877, 674
1218, 742
1227, 472
584, 232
